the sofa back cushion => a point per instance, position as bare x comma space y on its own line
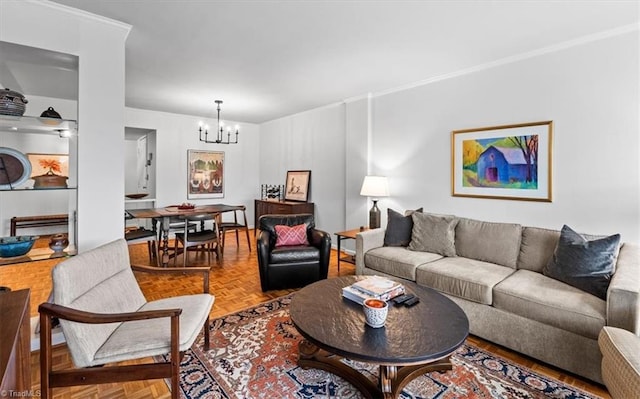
433, 233
497, 243
537, 248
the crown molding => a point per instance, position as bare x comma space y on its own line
84, 14
515, 58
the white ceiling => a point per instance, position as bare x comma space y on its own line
267, 59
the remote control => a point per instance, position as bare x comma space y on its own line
402, 298
411, 302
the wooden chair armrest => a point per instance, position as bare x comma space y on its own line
81, 316
177, 270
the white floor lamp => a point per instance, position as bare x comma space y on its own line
374, 187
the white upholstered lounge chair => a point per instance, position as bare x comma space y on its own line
106, 319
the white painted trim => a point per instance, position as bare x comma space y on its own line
515, 58
330, 105
369, 132
84, 14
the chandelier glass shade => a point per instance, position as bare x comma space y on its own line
203, 131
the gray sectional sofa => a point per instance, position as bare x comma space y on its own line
496, 277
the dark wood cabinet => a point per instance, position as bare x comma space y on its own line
273, 207
15, 342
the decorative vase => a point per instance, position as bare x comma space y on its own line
58, 242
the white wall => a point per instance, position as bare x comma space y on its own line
99, 44
312, 140
175, 134
590, 91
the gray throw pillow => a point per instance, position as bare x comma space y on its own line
584, 262
398, 232
433, 233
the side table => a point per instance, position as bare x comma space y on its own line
346, 235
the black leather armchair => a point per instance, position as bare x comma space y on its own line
291, 266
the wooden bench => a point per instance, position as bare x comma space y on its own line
24, 222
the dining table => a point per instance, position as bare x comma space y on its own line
165, 214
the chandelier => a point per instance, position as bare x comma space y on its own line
219, 131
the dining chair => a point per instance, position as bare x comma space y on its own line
223, 227
206, 238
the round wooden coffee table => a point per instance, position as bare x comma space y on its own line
414, 340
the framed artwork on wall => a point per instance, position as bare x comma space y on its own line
205, 174
297, 186
503, 162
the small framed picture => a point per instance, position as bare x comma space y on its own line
297, 187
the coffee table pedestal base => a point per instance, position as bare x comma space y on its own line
393, 379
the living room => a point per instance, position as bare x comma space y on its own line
586, 84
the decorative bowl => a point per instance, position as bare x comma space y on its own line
136, 196
16, 245
12, 103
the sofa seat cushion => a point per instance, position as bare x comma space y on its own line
465, 278
153, 337
543, 299
398, 261
294, 253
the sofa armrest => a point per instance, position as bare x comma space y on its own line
365, 241
623, 295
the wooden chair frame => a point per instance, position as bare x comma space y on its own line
223, 227
50, 379
187, 241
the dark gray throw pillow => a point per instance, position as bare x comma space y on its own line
398, 233
584, 263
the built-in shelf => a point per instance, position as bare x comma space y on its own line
32, 141
30, 124
37, 254
39, 189
134, 201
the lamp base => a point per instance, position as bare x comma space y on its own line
374, 216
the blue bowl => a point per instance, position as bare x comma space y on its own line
16, 246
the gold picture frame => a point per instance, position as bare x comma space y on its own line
503, 162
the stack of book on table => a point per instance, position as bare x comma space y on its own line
373, 287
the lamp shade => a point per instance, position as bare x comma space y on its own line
375, 186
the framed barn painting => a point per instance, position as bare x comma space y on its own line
297, 187
205, 174
503, 162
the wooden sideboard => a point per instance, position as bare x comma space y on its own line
15, 342
274, 207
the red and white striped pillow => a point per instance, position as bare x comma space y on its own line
291, 235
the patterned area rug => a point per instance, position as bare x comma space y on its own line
254, 355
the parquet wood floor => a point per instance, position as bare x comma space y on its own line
236, 285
